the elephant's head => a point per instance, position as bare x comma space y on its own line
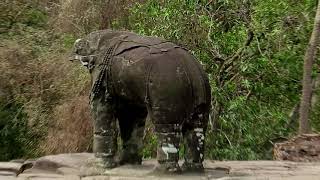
85, 50
81, 51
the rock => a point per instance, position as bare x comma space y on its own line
307, 177
134, 178
302, 148
96, 178
7, 173
11, 167
75, 160
85, 167
80, 164
10, 178
68, 171
45, 176
18, 161
131, 170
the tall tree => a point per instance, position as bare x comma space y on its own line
307, 75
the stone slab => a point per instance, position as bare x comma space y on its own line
10, 178
7, 173
85, 167
39, 176
96, 178
10, 167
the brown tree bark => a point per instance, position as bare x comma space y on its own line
309, 58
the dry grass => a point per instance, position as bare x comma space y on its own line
71, 128
34, 70
80, 17
11, 57
53, 92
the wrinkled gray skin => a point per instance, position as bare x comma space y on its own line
146, 76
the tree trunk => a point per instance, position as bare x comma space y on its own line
315, 87
307, 79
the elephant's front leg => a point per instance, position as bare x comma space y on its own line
105, 130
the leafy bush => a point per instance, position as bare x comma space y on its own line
252, 51
15, 134
22, 12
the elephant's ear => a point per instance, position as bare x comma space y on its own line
95, 39
82, 47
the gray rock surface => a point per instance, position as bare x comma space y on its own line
301, 148
83, 166
10, 167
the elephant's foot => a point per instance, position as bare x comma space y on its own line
192, 167
109, 163
167, 168
106, 163
129, 158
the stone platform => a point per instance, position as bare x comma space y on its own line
83, 166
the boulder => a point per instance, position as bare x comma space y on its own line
302, 148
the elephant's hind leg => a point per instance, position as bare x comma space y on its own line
168, 147
194, 133
132, 122
168, 131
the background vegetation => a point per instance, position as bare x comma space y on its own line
252, 50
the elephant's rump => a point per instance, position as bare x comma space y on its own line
167, 77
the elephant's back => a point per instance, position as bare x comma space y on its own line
167, 73
180, 77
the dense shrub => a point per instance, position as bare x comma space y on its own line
253, 52
15, 134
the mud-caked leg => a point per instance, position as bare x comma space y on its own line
168, 147
105, 131
132, 121
194, 136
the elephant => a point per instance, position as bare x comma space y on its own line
136, 76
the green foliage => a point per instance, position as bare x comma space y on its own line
34, 17
150, 145
68, 41
15, 134
21, 13
253, 52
